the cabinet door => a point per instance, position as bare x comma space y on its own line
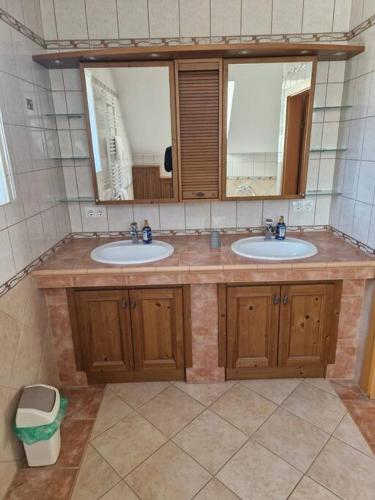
157, 327
252, 326
307, 327
104, 329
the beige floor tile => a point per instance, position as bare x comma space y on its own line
308, 489
255, 473
322, 383
205, 393
95, 477
316, 406
7, 471
295, 440
138, 393
243, 408
168, 474
215, 490
274, 389
112, 410
171, 410
210, 440
348, 432
120, 492
347, 472
128, 443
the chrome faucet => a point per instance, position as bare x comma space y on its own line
270, 230
134, 232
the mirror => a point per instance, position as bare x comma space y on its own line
130, 109
268, 120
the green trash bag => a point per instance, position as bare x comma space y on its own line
30, 435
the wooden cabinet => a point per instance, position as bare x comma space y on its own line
279, 331
126, 335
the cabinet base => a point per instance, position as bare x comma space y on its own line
287, 372
141, 376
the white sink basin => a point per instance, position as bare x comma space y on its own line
259, 248
126, 252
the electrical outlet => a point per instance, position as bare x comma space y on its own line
95, 212
303, 206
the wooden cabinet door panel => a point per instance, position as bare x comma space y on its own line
104, 326
252, 326
157, 326
305, 322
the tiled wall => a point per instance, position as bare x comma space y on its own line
99, 19
29, 225
353, 212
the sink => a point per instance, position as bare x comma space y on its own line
127, 252
258, 248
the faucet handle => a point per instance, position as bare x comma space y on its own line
269, 222
134, 225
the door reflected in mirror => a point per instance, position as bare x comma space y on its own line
130, 114
268, 115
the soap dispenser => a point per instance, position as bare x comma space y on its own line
146, 233
281, 229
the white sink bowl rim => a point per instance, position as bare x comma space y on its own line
126, 252
257, 247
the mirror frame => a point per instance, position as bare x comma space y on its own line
173, 115
302, 181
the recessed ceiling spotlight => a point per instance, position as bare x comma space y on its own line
244, 51
57, 61
339, 53
92, 58
305, 52
154, 54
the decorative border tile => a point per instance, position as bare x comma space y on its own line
8, 285
17, 25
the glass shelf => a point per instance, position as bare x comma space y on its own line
324, 150
70, 158
65, 115
322, 108
322, 192
86, 199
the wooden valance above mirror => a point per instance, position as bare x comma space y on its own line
213, 122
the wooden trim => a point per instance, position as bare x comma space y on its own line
333, 328
303, 167
323, 51
70, 292
222, 333
188, 343
367, 379
172, 97
276, 372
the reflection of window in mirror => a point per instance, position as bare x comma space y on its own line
267, 108
7, 191
129, 111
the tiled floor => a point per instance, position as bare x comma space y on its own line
258, 440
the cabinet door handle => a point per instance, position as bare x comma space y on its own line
124, 304
276, 299
134, 304
285, 299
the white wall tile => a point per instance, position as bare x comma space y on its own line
102, 19
250, 213
298, 218
225, 17
256, 17
19, 239
356, 13
368, 152
287, 16
313, 18
120, 217
164, 18
198, 215
172, 216
75, 217
361, 221
366, 182
273, 209
371, 238
36, 235
92, 224
194, 18
7, 268
71, 19
149, 212
223, 214
48, 19
133, 18
341, 19
322, 210
346, 215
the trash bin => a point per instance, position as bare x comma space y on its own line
39, 415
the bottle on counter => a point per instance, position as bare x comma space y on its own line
281, 229
146, 233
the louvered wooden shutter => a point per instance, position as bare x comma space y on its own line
199, 105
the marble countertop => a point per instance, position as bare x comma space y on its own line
193, 253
